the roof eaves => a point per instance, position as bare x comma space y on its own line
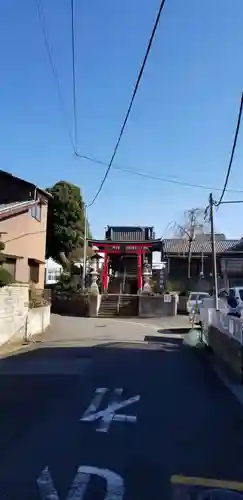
42, 191
9, 209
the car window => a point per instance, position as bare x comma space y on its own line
241, 293
232, 291
204, 296
193, 296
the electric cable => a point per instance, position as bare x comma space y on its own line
131, 102
43, 25
217, 204
147, 175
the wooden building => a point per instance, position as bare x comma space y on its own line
229, 262
231, 265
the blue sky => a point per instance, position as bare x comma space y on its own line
182, 123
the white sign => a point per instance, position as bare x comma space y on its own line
109, 414
167, 297
114, 484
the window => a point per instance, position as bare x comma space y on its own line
53, 275
10, 265
202, 296
241, 293
36, 211
232, 292
193, 296
33, 271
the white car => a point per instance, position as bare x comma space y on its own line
195, 299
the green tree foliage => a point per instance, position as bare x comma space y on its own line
65, 223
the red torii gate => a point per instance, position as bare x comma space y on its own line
121, 248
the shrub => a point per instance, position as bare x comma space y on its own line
5, 277
66, 283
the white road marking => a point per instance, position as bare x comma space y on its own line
114, 484
109, 414
95, 403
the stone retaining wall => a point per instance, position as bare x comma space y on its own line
14, 301
16, 319
38, 319
147, 306
224, 336
69, 304
157, 306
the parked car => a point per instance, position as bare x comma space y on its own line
194, 300
237, 292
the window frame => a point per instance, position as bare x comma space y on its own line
34, 266
36, 211
13, 262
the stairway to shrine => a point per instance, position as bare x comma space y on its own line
108, 306
118, 305
114, 285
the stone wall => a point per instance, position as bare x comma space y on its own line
228, 349
69, 303
157, 306
38, 320
224, 336
14, 300
94, 305
16, 319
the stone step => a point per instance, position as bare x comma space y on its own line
107, 315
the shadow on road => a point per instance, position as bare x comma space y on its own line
162, 341
184, 409
180, 331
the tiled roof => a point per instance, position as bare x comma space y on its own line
238, 246
180, 246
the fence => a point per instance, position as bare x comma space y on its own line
224, 335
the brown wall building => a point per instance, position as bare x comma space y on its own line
23, 221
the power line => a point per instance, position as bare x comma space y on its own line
232, 152
147, 175
44, 30
74, 76
131, 102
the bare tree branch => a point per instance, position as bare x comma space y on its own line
193, 224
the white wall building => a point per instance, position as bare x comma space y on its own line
53, 271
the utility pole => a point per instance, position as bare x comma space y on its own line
214, 260
191, 235
85, 249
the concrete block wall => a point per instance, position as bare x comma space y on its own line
224, 335
15, 316
38, 320
157, 306
14, 300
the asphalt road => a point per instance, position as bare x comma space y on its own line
158, 410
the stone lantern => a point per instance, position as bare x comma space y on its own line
147, 275
94, 289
